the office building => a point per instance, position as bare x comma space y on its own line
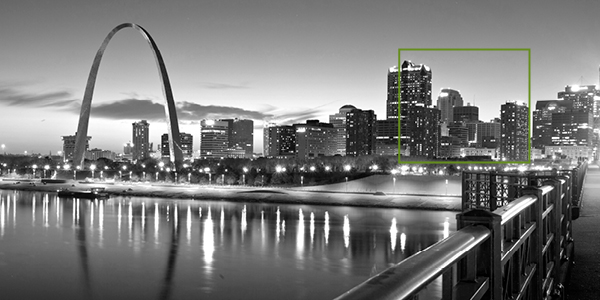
314, 139
240, 136
488, 134
572, 128
279, 141
387, 138
542, 121
447, 100
338, 121
514, 134
419, 123
69, 146
214, 138
141, 140
360, 130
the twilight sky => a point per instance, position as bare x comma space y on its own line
277, 60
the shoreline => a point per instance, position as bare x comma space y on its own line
297, 196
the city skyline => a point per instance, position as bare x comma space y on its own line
283, 63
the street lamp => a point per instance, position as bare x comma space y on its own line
93, 168
394, 171
244, 176
34, 167
301, 180
207, 170
346, 184
446, 187
46, 168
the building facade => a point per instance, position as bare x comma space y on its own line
214, 138
488, 135
361, 135
69, 146
314, 139
279, 141
141, 140
240, 136
338, 120
514, 131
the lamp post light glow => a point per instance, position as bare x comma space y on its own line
46, 168
347, 168
93, 168
156, 176
446, 187
312, 168
223, 179
34, 167
207, 170
301, 180
244, 176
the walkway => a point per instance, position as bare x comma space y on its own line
585, 277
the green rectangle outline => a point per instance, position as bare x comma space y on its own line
462, 161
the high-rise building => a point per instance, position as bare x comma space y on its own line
465, 114
542, 121
314, 139
572, 128
360, 130
387, 138
582, 97
392, 94
419, 123
338, 121
488, 135
141, 140
447, 100
187, 145
469, 115
214, 138
128, 148
459, 138
514, 131
240, 136
186, 141
279, 141
69, 146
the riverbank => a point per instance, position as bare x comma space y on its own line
253, 194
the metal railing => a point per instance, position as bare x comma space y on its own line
513, 252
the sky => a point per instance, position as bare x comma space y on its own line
277, 60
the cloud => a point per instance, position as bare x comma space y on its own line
223, 86
11, 97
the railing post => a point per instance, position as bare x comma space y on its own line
491, 250
556, 227
538, 241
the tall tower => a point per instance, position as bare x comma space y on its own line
419, 123
392, 94
141, 140
360, 132
447, 100
514, 132
339, 123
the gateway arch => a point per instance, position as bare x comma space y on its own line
170, 111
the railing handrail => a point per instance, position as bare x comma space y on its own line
513, 209
417, 271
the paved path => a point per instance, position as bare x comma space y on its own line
585, 277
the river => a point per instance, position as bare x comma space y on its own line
153, 248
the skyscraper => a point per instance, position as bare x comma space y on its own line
488, 135
542, 120
572, 128
240, 135
419, 123
69, 146
392, 94
314, 139
360, 130
514, 131
279, 141
140, 138
214, 138
469, 115
447, 100
338, 121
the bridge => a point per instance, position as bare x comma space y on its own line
515, 239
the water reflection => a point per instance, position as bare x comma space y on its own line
339, 249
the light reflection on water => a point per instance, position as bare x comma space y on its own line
183, 249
